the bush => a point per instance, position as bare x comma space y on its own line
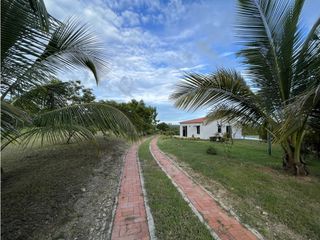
168, 133
217, 139
211, 150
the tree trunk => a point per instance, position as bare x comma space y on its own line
292, 159
269, 143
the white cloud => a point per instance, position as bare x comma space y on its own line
146, 62
130, 18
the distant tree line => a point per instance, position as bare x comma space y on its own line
168, 129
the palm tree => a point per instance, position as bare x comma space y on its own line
282, 62
34, 48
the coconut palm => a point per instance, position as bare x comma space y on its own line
282, 62
34, 48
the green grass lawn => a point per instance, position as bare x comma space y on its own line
256, 181
173, 217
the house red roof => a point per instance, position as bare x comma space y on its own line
197, 120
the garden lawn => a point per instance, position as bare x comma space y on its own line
278, 205
172, 216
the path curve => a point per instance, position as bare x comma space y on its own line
130, 222
226, 227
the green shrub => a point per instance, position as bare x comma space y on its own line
167, 133
211, 150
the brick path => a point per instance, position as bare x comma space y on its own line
224, 225
130, 222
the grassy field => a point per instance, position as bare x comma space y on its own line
59, 191
280, 206
173, 218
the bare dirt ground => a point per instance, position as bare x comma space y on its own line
61, 192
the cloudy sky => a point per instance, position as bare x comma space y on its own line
150, 44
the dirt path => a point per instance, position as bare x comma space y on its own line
222, 224
131, 219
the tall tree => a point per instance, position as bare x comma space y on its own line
282, 61
79, 94
43, 98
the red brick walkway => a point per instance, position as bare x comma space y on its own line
130, 222
224, 225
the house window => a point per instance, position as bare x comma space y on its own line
219, 128
198, 129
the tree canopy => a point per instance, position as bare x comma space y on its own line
143, 117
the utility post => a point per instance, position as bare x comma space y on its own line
269, 139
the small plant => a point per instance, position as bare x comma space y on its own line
227, 146
211, 150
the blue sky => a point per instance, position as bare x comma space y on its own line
150, 44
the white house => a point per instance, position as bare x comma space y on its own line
201, 128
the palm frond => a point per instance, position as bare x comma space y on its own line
225, 89
32, 14
11, 117
236, 114
265, 28
22, 39
39, 8
74, 45
35, 47
291, 41
36, 56
81, 121
304, 110
54, 134
307, 59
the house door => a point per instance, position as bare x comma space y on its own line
229, 131
184, 131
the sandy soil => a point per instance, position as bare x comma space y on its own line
79, 208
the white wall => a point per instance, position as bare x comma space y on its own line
210, 129
192, 129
